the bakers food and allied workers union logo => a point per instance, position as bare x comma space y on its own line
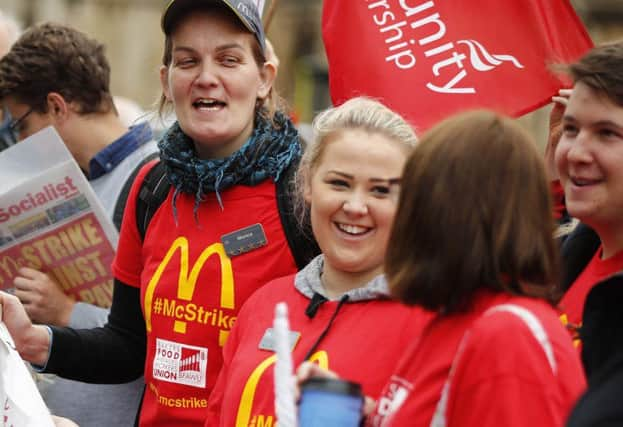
180, 363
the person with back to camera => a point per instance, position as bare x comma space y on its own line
57, 76
225, 228
338, 305
485, 262
589, 157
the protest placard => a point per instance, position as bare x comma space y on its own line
52, 221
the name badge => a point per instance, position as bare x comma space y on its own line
268, 340
244, 240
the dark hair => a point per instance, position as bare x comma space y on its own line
474, 212
55, 58
601, 69
268, 106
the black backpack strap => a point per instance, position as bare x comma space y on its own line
577, 250
117, 215
153, 192
299, 236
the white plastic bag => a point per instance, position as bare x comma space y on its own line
21, 404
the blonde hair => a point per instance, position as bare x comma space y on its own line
359, 113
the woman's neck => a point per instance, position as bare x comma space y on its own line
338, 282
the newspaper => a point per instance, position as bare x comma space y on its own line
51, 220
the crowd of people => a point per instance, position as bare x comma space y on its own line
426, 268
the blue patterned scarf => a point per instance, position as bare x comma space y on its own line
269, 151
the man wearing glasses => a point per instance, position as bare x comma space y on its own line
57, 76
9, 32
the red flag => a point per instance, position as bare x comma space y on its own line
429, 59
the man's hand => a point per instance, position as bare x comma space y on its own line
63, 422
555, 131
42, 297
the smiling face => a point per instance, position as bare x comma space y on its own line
589, 158
214, 81
353, 192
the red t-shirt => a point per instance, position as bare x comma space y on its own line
502, 378
191, 290
363, 345
572, 303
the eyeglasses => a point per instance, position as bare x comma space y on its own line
9, 129
15, 125
6, 136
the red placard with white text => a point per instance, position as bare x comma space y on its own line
430, 59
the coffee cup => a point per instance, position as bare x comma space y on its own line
330, 402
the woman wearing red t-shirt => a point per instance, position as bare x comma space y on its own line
338, 304
472, 242
222, 230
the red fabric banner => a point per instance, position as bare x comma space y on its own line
430, 59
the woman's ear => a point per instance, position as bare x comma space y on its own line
164, 82
267, 78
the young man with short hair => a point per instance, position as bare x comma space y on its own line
57, 76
